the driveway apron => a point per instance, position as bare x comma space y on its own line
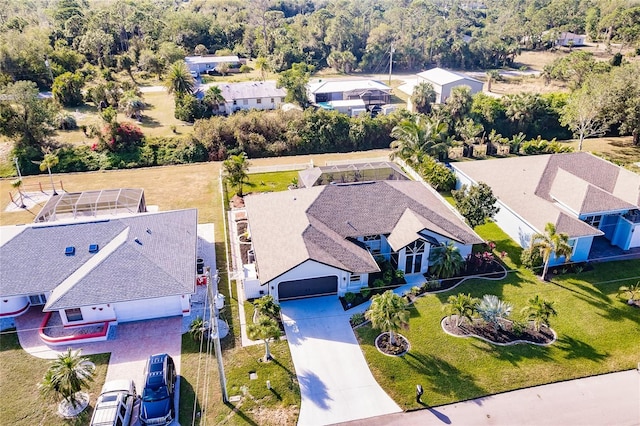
336, 384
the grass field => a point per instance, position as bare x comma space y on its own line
597, 333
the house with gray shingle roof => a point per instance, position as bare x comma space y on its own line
583, 195
119, 269
324, 239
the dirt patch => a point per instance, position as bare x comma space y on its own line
506, 333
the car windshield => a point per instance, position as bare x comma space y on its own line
151, 395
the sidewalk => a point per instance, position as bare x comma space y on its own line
609, 399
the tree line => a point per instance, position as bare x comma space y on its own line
40, 40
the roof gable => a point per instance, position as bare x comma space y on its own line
441, 76
141, 256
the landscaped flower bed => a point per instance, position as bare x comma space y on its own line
507, 333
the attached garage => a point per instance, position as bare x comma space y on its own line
321, 286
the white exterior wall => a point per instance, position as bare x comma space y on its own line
355, 286
311, 269
446, 89
91, 314
265, 104
14, 306
150, 308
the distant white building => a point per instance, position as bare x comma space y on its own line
203, 64
371, 92
262, 95
444, 80
569, 39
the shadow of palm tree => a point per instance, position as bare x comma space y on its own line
514, 354
237, 411
575, 349
444, 378
314, 388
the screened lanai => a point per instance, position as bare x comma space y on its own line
354, 172
106, 202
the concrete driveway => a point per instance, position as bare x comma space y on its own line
336, 384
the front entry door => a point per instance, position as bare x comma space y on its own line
413, 257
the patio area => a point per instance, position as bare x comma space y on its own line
603, 251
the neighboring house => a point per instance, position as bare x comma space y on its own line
569, 39
583, 195
444, 80
323, 240
101, 270
203, 64
371, 92
251, 95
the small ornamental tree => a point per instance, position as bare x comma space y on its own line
267, 306
265, 329
67, 89
476, 204
462, 305
67, 376
492, 310
388, 312
551, 243
539, 311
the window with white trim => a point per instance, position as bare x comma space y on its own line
73, 315
259, 100
594, 220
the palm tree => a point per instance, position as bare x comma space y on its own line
265, 329
236, 168
388, 312
131, 104
492, 310
18, 184
418, 137
50, 160
262, 65
631, 292
67, 376
213, 97
445, 261
462, 305
550, 243
266, 306
423, 97
179, 80
197, 328
539, 311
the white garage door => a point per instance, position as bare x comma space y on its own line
147, 309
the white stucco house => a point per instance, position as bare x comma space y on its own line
205, 63
263, 95
101, 269
569, 39
336, 92
584, 196
444, 80
323, 240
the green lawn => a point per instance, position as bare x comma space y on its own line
270, 182
597, 333
20, 374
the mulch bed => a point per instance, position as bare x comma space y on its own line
245, 244
503, 335
237, 202
383, 343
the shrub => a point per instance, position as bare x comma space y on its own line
531, 258
349, 297
379, 283
244, 68
415, 290
366, 292
518, 328
125, 137
65, 121
439, 176
432, 285
357, 319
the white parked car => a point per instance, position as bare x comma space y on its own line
115, 404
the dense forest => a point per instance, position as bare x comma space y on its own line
41, 39
95, 52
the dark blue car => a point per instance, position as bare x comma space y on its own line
157, 407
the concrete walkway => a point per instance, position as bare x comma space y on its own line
335, 381
610, 399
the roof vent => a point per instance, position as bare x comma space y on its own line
70, 251
148, 231
93, 248
138, 241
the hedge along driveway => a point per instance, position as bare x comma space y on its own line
597, 333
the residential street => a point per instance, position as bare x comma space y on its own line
610, 399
